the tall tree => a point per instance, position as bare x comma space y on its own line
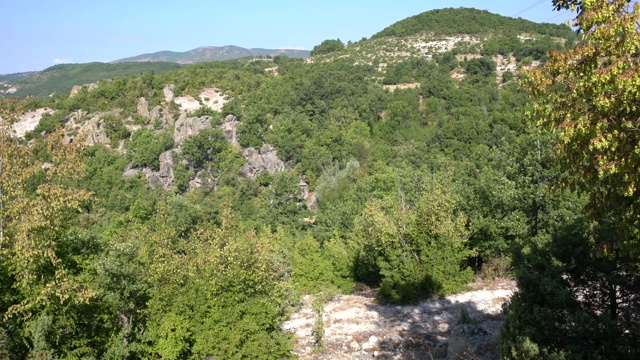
588, 96
578, 290
39, 256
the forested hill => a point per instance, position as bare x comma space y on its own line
60, 79
460, 21
185, 214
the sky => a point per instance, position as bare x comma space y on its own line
37, 34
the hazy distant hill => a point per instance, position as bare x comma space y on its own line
213, 53
61, 78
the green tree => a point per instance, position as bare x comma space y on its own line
587, 97
41, 258
146, 146
578, 288
204, 148
220, 292
417, 251
327, 46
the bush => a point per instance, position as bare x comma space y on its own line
417, 252
146, 146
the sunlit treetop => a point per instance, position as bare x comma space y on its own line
590, 96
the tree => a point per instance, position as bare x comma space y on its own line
40, 257
589, 97
327, 46
414, 250
578, 288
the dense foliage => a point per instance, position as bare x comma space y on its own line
578, 286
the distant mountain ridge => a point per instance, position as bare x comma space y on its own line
213, 53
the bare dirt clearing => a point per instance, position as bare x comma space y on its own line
458, 326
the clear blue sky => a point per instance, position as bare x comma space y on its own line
37, 34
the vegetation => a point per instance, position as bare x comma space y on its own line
417, 190
452, 21
582, 280
59, 79
327, 46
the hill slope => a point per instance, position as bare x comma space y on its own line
468, 21
213, 53
61, 78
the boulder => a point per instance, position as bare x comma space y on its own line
188, 127
143, 108
229, 128
168, 93
92, 130
265, 159
130, 173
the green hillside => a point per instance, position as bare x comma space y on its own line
452, 21
59, 79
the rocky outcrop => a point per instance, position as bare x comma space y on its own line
92, 130
143, 108
202, 179
161, 114
309, 197
76, 88
212, 98
230, 129
168, 93
161, 178
157, 114
265, 159
187, 103
187, 127
29, 121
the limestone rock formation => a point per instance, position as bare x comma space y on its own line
187, 103
76, 88
161, 114
203, 179
265, 159
92, 131
188, 127
161, 178
309, 197
168, 93
143, 108
212, 98
29, 121
229, 128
